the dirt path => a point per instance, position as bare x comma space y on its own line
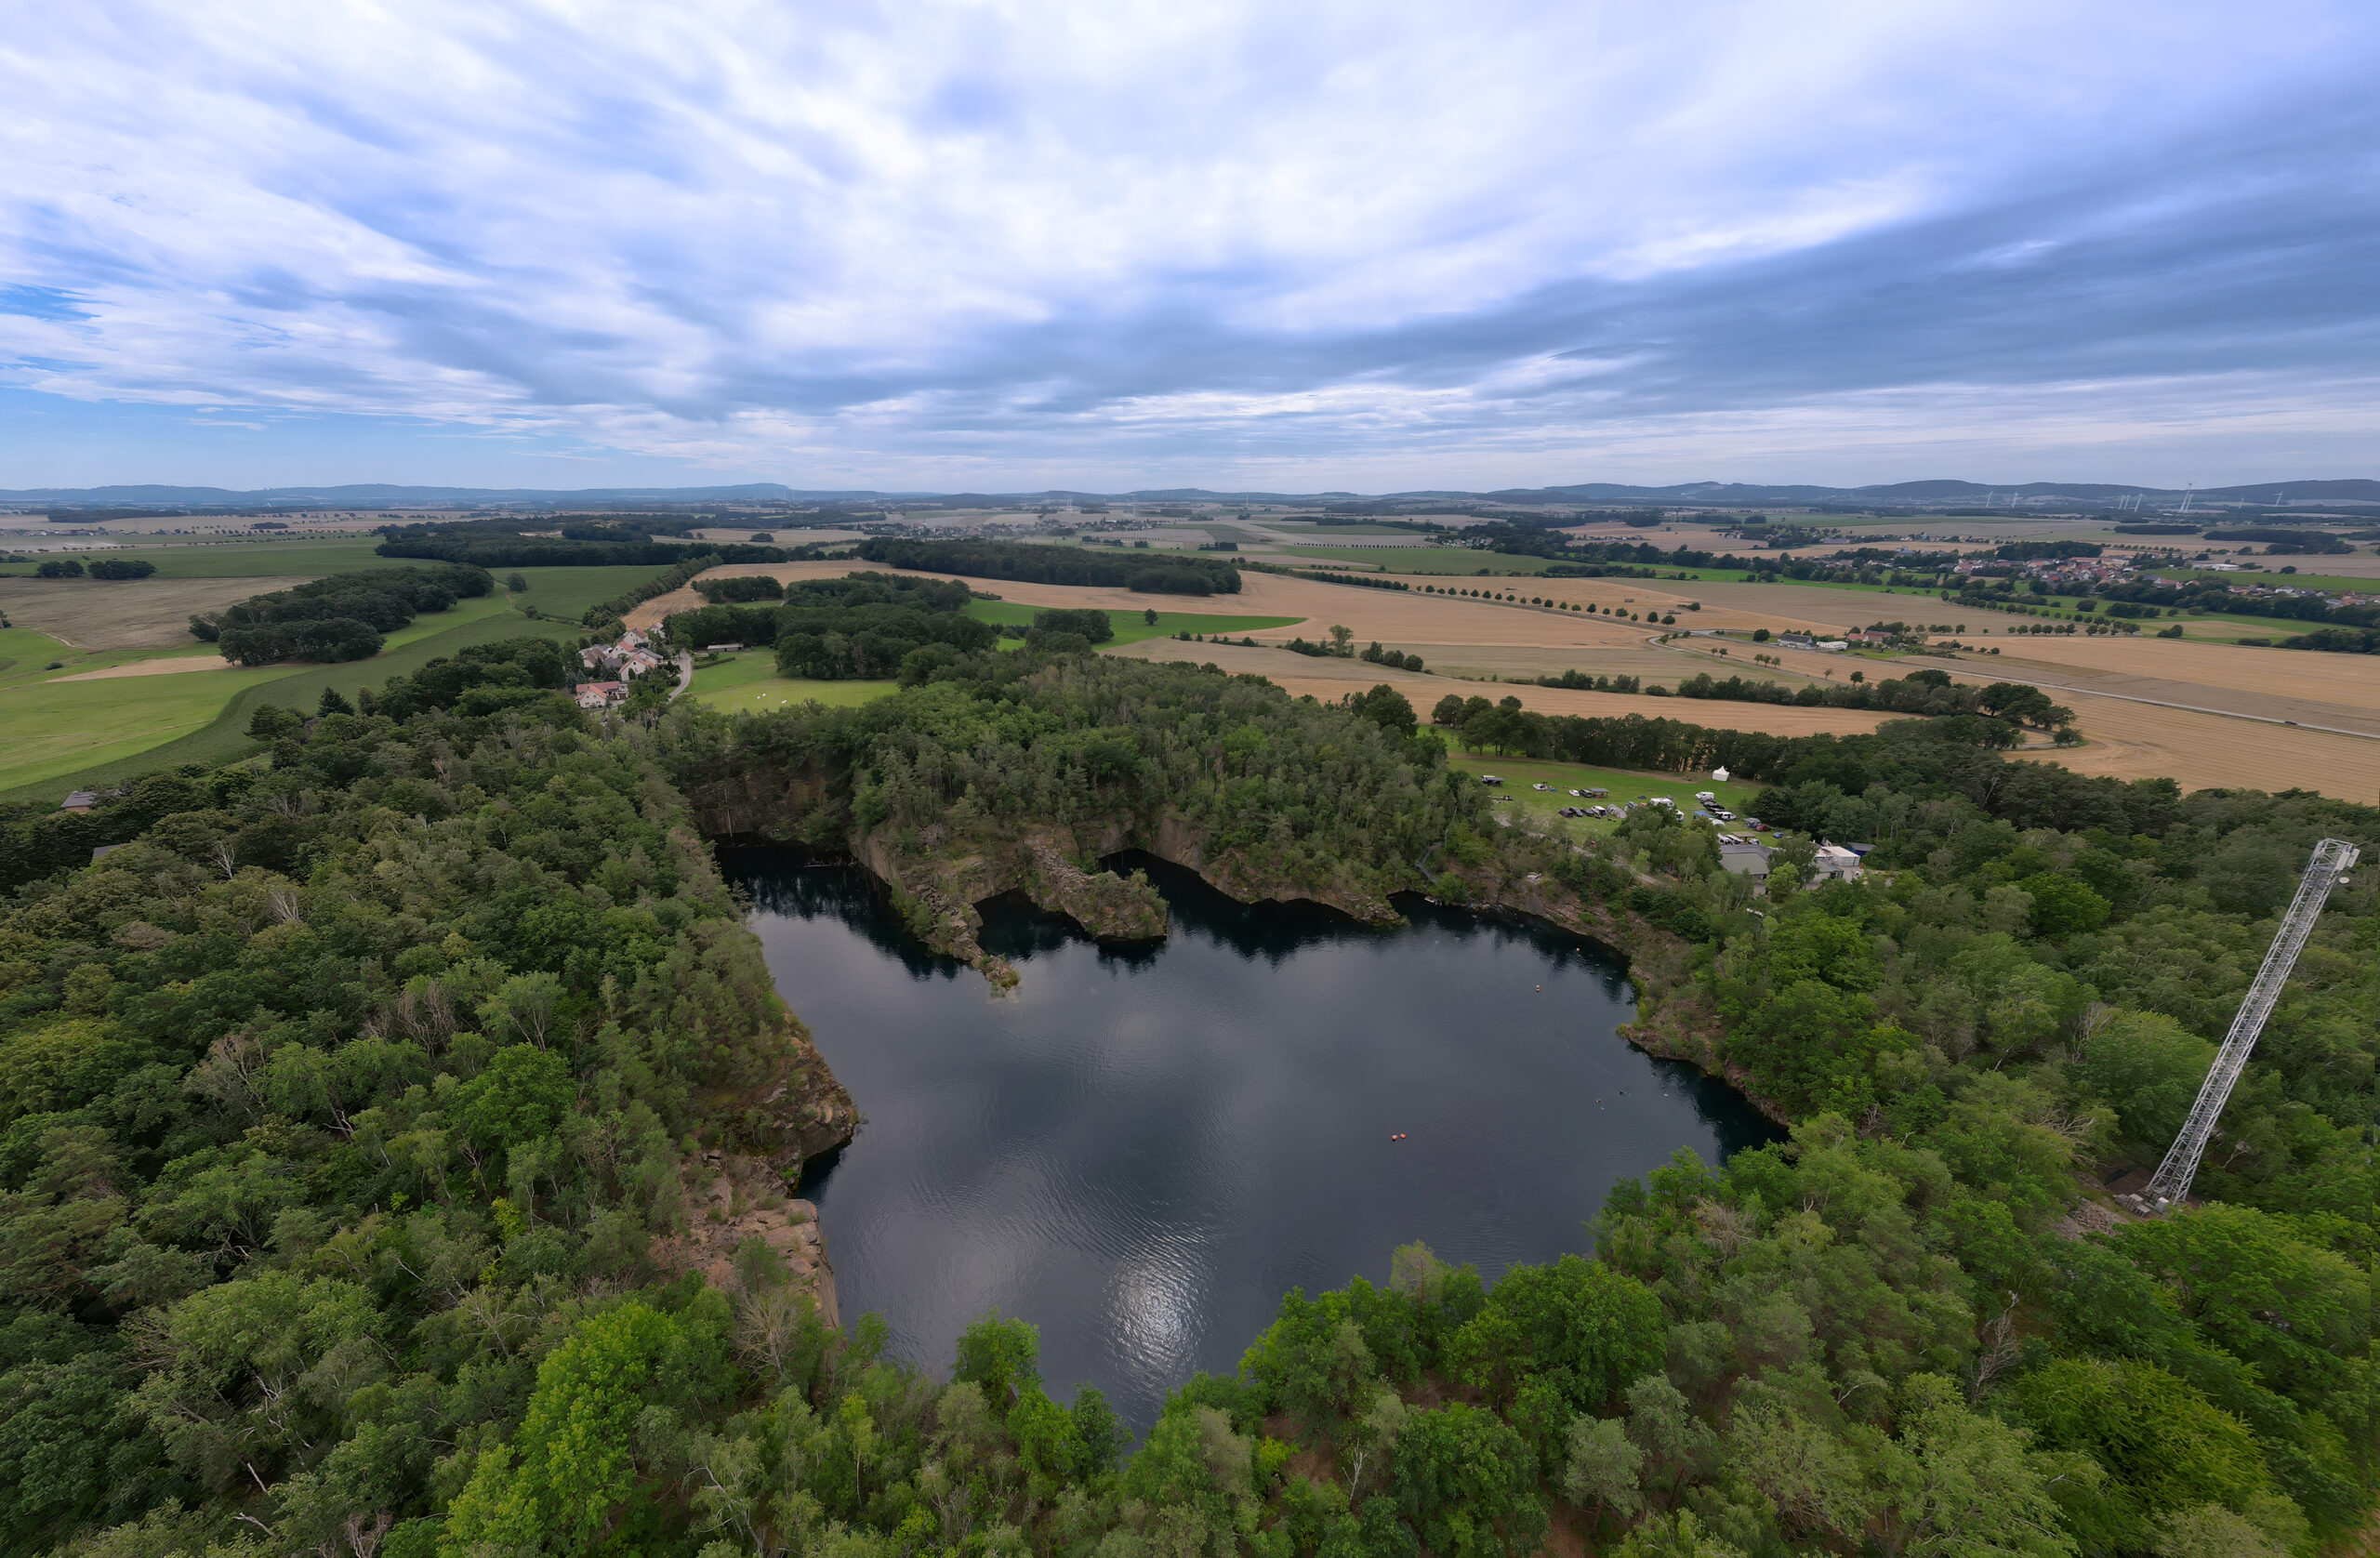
175, 667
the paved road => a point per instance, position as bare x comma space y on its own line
685, 674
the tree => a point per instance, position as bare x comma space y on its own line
1386, 707
1148, 616
1601, 1468
516, 583
568, 1478
1955, 1483
1003, 1356
2148, 1066
333, 702
1674, 1536
1343, 641
1467, 1483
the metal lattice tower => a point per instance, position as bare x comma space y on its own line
2332, 858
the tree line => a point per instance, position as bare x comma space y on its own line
1062, 565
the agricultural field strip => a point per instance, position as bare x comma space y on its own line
2020, 668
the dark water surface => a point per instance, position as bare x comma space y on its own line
1139, 1151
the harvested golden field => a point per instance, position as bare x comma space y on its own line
2140, 741
2346, 679
1461, 635
126, 614
1331, 679
2343, 703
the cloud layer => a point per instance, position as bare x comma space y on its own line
1357, 245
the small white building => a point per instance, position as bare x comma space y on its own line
601, 694
1834, 864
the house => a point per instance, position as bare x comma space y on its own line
1746, 860
1834, 864
79, 800
601, 694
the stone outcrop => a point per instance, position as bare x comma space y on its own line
732, 1197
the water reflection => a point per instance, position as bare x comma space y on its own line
1144, 1146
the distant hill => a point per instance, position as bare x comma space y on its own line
1911, 494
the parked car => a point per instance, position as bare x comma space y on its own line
1545, 788
1490, 779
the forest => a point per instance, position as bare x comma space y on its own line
1170, 574
863, 626
587, 540
350, 1109
342, 617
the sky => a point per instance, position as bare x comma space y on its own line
1367, 246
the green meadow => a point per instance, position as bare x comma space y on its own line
1519, 773
749, 683
1133, 627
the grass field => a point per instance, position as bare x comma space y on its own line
2273, 577
567, 592
1519, 773
1424, 559
226, 560
52, 729
28, 655
224, 702
749, 683
1132, 626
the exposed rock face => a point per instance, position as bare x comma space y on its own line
732, 1197
803, 1114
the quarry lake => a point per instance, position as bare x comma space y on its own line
1140, 1150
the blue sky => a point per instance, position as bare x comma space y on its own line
1364, 246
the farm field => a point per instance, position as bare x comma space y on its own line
205, 714
53, 728
2124, 739
243, 558
1432, 562
123, 614
1131, 626
568, 592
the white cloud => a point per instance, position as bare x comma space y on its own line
776, 239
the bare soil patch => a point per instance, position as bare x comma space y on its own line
173, 667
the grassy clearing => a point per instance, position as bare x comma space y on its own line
567, 592
235, 697
748, 684
1133, 627
1519, 773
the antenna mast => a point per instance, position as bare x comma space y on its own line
2332, 858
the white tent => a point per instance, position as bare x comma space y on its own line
1720, 774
